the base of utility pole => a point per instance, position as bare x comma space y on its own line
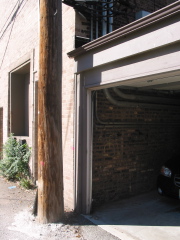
50, 166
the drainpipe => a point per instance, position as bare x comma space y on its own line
123, 124
146, 99
133, 104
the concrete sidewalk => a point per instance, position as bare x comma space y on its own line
144, 217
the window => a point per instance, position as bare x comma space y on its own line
19, 101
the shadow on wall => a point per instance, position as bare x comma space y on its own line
127, 158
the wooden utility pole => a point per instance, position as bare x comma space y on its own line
50, 168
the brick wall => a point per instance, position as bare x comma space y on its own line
149, 6
18, 44
126, 159
1, 131
18, 38
68, 18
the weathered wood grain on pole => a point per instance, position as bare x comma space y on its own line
50, 169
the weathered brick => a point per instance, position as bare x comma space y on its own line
126, 160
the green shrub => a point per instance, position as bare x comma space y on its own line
26, 183
15, 162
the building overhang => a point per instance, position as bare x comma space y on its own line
143, 54
147, 21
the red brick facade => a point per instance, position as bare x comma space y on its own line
126, 159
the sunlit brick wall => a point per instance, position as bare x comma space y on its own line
18, 44
68, 20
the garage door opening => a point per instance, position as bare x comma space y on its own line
131, 140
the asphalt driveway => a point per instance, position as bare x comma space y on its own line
18, 223
144, 217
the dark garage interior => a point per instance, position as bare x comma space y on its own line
134, 133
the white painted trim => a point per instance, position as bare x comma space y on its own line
83, 148
89, 154
76, 139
